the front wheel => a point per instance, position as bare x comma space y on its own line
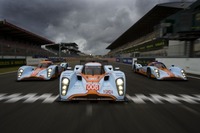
56, 72
134, 69
149, 73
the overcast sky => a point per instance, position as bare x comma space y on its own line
92, 24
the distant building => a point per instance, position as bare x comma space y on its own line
167, 30
15, 41
63, 49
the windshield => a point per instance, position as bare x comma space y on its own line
44, 65
159, 65
93, 70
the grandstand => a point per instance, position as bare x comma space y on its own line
18, 42
63, 49
167, 30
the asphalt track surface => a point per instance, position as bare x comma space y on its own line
179, 114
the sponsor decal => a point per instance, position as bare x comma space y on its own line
108, 92
92, 78
127, 60
92, 86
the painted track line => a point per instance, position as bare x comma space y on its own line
190, 110
7, 72
193, 77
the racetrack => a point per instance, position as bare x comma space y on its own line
153, 106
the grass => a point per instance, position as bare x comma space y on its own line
8, 69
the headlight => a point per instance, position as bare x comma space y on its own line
64, 86
20, 71
121, 93
183, 73
156, 70
65, 81
120, 86
50, 70
157, 73
63, 92
120, 81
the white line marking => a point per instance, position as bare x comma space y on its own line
158, 99
7, 72
136, 98
28, 98
190, 110
193, 77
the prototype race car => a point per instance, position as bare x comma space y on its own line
45, 70
159, 71
92, 81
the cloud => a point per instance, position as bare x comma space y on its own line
92, 24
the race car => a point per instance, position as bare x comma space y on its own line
159, 71
92, 81
45, 70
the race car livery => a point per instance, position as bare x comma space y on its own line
159, 71
92, 81
45, 70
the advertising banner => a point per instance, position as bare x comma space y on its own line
12, 62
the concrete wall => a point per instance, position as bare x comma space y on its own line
190, 65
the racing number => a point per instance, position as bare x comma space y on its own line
92, 86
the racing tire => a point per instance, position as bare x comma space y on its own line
148, 73
134, 69
56, 73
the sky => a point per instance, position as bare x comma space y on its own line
92, 24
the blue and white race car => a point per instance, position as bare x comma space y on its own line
45, 70
159, 71
92, 81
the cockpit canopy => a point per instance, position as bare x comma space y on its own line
93, 70
159, 65
44, 64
